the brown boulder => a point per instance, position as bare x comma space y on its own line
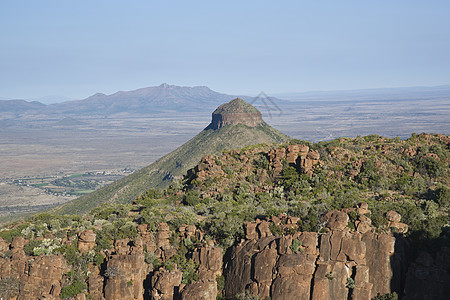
263, 266
250, 230
162, 236
95, 284
398, 227
363, 224
263, 229
313, 155
336, 220
303, 150
121, 247
363, 208
393, 216
200, 290
330, 281
86, 240
292, 153
43, 277
18, 242
3, 245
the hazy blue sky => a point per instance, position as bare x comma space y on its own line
77, 48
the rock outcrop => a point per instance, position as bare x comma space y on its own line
235, 112
86, 240
339, 264
296, 155
125, 274
32, 278
275, 260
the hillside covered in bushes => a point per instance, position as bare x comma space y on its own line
184, 240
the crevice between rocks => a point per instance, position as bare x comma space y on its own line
311, 286
350, 290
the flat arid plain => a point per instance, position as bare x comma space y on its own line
47, 160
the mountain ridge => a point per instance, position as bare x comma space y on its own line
164, 97
174, 165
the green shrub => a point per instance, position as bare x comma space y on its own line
350, 283
220, 282
276, 230
9, 235
72, 290
289, 176
192, 198
29, 247
98, 259
431, 167
309, 223
296, 246
330, 276
151, 258
71, 254
443, 196
262, 162
103, 240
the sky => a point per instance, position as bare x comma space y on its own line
78, 48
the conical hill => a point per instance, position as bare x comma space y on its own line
234, 125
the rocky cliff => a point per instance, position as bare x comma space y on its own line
273, 261
235, 112
336, 264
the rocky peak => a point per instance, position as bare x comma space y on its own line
235, 112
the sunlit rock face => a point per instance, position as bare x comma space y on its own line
235, 112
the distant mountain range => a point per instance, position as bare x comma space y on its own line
172, 98
18, 106
163, 98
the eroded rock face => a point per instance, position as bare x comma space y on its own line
165, 284
210, 260
35, 278
340, 263
125, 274
235, 112
306, 265
200, 290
